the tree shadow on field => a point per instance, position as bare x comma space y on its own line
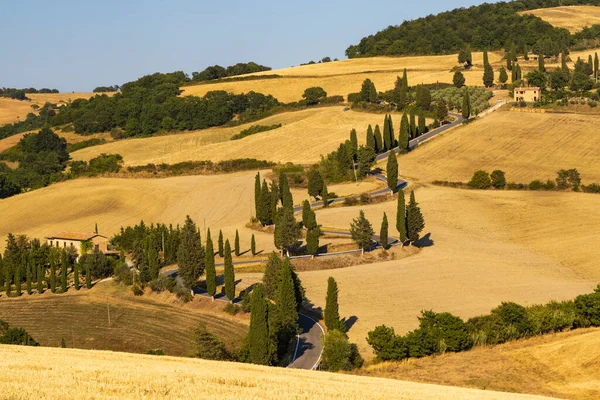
303, 346
425, 241
349, 322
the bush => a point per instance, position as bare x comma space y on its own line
480, 180
137, 290
552, 317
183, 294
338, 353
163, 283
123, 273
588, 309
386, 345
245, 305
155, 352
350, 201
208, 346
498, 179
232, 309
516, 186
537, 185
365, 199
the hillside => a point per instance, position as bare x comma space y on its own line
573, 18
526, 146
304, 136
562, 365
486, 247
70, 137
127, 376
138, 324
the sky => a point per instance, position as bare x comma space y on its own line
75, 45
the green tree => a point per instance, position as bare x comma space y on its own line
486, 60
370, 137
76, 282
383, 232
54, 260
253, 245
236, 244
413, 125
503, 76
221, 244
264, 211
379, 146
40, 279
88, 276
306, 210
498, 179
541, 64
331, 313
18, 280
404, 134
190, 255
259, 340
29, 275
284, 190
480, 180
401, 216
596, 66
354, 140
315, 183
229, 273
386, 135
368, 92
312, 240
209, 262
286, 230
537, 78
465, 56
257, 188
423, 98
284, 320
63, 270
392, 171
405, 81
208, 346
422, 126
314, 95
488, 76
458, 79
466, 105
365, 160
361, 231
338, 353
325, 196
274, 200
414, 219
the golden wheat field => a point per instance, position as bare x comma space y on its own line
526, 146
217, 201
70, 137
563, 365
488, 247
303, 137
107, 375
573, 18
346, 76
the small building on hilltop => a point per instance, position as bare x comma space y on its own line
75, 240
528, 94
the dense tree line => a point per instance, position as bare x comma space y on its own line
217, 72
21, 94
17, 336
487, 26
31, 121
443, 332
106, 89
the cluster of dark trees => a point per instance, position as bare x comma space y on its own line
487, 26
41, 267
274, 306
443, 332
581, 79
18, 336
217, 72
106, 89
321, 61
21, 94
31, 122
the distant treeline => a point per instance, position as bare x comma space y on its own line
218, 72
106, 89
21, 94
487, 26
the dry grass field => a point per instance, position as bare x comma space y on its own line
108, 375
304, 136
563, 365
218, 202
15, 110
346, 76
526, 146
137, 323
488, 247
573, 18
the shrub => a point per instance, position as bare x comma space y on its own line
537, 185
588, 309
480, 180
137, 290
350, 201
163, 283
155, 352
386, 345
86, 143
550, 185
338, 353
498, 179
245, 304
552, 317
183, 294
117, 133
208, 346
365, 199
516, 186
232, 309
123, 273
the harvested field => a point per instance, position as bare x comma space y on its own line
132, 376
526, 146
562, 365
573, 18
304, 136
137, 323
71, 137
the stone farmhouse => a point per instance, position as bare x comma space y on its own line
75, 239
528, 94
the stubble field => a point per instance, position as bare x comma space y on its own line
573, 18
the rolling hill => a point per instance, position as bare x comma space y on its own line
573, 18
562, 365
128, 376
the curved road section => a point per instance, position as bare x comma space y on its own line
308, 346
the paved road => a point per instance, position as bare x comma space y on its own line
308, 346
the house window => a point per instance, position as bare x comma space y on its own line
64, 245
97, 246
72, 244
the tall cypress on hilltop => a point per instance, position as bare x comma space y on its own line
392, 171
220, 244
401, 216
379, 147
383, 233
259, 342
236, 244
414, 219
229, 273
331, 312
211, 274
596, 66
405, 81
257, 188
370, 137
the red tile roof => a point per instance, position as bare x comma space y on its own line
78, 236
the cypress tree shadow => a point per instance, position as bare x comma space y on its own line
349, 322
425, 241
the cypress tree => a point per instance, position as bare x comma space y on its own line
488, 76
401, 216
18, 280
220, 244
306, 210
272, 276
387, 145
325, 196
229, 273
422, 126
404, 134
486, 60
259, 342
253, 245
312, 241
256, 194
379, 146
29, 276
413, 125
541, 64
286, 194
596, 65
286, 230
76, 283
63, 270
405, 81
393, 141
190, 254
211, 274
466, 105
370, 137
53, 263
40, 279
274, 199
590, 62
563, 63
88, 276
236, 244
503, 76
414, 219
315, 182
361, 231
354, 140
331, 312
264, 211
285, 318
383, 233
392, 171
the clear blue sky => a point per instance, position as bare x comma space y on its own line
76, 45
